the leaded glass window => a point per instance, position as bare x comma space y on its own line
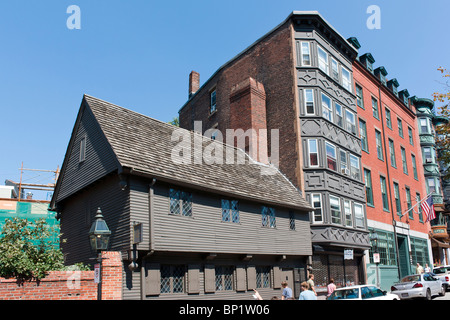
224, 278
174, 201
230, 211
186, 198
268, 218
291, 221
180, 202
263, 277
172, 279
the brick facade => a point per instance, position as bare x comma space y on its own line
262, 63
69, 285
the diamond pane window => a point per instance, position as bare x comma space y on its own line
291, 221
224, 278
180, 202
262, 277
178, 279
174, 201
264, 216
165, 279
272, 221
225, 210
186, 199
235, 211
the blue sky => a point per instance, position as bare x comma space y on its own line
138, 54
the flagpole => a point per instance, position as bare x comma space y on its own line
424, 199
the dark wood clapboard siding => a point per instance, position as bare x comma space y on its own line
79, 211
99, 159
205, 231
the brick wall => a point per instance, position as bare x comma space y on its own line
269, 62
69, 285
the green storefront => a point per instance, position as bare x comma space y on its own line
411, 250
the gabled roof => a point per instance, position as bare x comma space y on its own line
144, 146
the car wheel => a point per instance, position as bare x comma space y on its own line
443, 290
428, 296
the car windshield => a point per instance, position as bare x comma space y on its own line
411, 278
440, 270
344, 294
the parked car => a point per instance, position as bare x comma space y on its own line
361, 292
443, 273
424, 285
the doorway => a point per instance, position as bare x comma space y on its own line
403, 257
287, 274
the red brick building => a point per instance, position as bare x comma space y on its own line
297, 79
393, 172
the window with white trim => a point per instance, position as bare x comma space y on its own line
339, 116
327, 108
359, 215
334, 70
313, 153
309, 102
335, 205
323, 60
316, 203
355, 170
331, 156
350, 121
348, 213
346, 79
306, 54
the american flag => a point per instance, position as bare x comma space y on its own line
428, 208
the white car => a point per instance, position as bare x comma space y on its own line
423, 285
361, 292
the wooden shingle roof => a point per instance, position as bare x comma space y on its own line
144, 146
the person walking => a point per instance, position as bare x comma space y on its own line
419, 268
311, 284
427, 268
331, 287
306, 294
287, 292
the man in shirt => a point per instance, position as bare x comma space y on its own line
287, 292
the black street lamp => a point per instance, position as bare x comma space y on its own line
374, 239
99, 235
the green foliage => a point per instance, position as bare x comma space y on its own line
443, 130
26, 251
175, 122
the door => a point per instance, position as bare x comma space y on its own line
288, 276
403, 255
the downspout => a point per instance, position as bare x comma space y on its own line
151, 235
388, 187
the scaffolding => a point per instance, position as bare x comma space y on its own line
29, 184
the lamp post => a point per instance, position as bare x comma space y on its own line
376, 256
99, 235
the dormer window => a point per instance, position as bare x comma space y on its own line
393, 85
369, 66
368, 61
381, 73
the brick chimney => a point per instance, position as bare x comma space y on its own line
248, 111
194, 83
